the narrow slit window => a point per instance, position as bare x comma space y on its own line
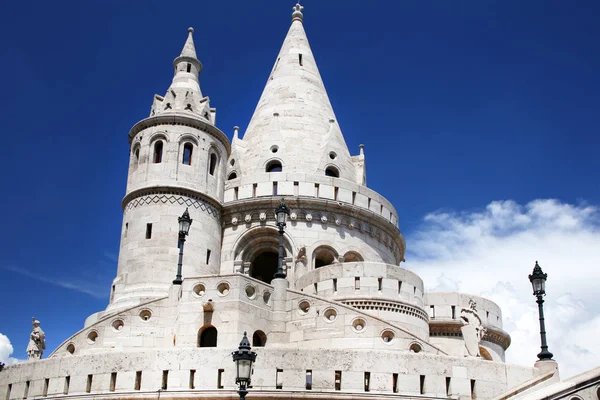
138, 380
137, 155
67, 384
487, 315
369, 204
309, 379
316, 287
334, 285
453, 312
158, 152
395, 383
26, 394
357, 283
338, 380
332, 172
399, 288
422, 384
46, 385
254, 186
165, 380
473, 389
148, 231
335, 193
300, 59
279, 379
432, 312
414, 291
316, 190
188, 149
274, 188
379, 284
296, 188
88, 386
448, 382
367, 381
220, 378
113, 381
8, 390
126, 229
236, 193
207, 256
189, 67
192, 378
353, 197
213, 164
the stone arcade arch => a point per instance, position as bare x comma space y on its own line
258, 248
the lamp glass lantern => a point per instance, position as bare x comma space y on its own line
538, 280
244, 358
185, 222
282, 212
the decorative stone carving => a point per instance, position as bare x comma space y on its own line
309, 217
248, 218
234, 221
293, 216
208, 306
37, 341
472, 329
352, 224
324, 219
338, 221
263, 216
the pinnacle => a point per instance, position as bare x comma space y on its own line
189, 50
297, 13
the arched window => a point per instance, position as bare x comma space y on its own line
158, 151
324, 256
352, 256
274, 166
208, 337
259, 339
332, 171
231, 176
213, 164
136, 155
188, 148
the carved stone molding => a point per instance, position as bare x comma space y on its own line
452, 328
168, 198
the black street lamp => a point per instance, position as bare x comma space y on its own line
281, 213
243, 358
184, 228
538, 282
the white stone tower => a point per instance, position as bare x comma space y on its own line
177, 160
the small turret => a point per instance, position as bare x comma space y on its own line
184, 94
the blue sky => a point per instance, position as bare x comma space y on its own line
459, 104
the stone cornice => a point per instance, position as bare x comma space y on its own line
171, 190
317, 211
178, 118
452, 328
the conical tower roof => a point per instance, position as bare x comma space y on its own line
295, 116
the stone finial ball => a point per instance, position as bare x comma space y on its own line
191, 30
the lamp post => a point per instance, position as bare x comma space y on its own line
281, 213
184, 228
538, 282
243, 358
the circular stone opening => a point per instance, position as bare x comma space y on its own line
330, 315
118, 324
223, 288
359, 324
250, 291
145, 315
71, 348
415, 348
92, 337
332, 155
199, 290
387, 336
266, 296
274, 148
304, 306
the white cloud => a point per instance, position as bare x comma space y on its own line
491, 252
6, 349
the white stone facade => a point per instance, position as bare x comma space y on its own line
347, 322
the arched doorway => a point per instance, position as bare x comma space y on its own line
264, 266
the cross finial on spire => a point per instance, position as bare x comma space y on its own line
297, 14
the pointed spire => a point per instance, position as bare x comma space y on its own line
189, 50
295, 114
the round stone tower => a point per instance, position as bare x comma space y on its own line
177, 161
